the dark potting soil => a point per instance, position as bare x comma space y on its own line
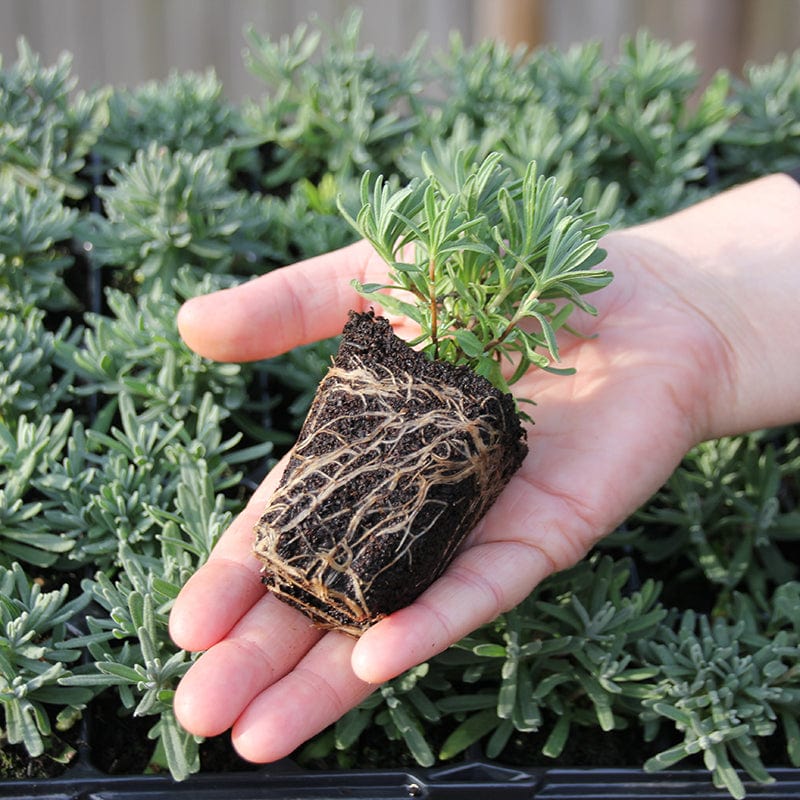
398, 459
62, 751
16, 764
119, 743
585, 747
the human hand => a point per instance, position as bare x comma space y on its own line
605, 439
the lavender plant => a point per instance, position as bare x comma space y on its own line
46, 133
35, 228
333, 108
168, 210
36, 651
476, 253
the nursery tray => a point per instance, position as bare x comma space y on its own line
469, 781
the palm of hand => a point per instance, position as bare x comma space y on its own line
604, 440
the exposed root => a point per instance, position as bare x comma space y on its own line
393, 467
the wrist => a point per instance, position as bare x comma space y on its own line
735, 259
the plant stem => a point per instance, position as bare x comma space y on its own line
434, 307
510, 286
512, 323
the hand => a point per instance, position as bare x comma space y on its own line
647, 389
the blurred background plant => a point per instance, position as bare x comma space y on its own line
123, 455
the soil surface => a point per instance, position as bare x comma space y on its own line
398, 459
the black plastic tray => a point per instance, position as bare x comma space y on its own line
470, 781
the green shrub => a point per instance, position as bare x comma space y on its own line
331, 107
35, 649
766, 137
134, 349
45, 132
169, 210
34, 229
30, 381
657, 141
28, 450
131, 649
727, 513
723, 684
185, 112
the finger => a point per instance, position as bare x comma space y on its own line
480, 583
285, 308
228, 584
266, 643
319, 690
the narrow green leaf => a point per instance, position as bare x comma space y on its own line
412, 735
454, 704
499, 738
182, 755
468, 342
557, 739
468, 732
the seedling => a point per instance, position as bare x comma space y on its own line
408, 444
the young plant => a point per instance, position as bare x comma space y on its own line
766, 136
407, 444
101, 495
330, 108
34, 225
491, 85
186, 111
47, 129
35, 649
564, 660
130, 646
29, 451
475, 254
166, 210
727, 512
135, 349
29, 381
723, 684
658, 130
